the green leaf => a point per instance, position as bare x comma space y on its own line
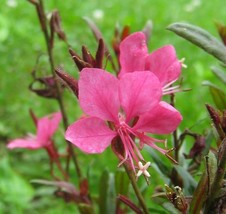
200, 194
15, 191
219, 73
189, 182
169, 207
209, 139
85, 209
107, 193
160, 162
219, 97
121, 182
201, 38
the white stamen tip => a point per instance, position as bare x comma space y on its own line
182, 63
143, 169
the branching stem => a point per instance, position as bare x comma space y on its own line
43, 22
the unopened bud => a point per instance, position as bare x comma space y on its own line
69, 80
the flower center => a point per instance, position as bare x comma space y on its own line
132, 153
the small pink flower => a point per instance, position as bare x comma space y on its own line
46, 127
162, 62
126, 108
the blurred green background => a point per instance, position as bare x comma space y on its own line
21, 42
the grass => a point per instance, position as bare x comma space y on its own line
21, 41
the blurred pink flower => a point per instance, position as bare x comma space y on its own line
126, 108
46, 127
162, 62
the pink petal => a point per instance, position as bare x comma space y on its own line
54, 121
24, 143
91, 135
163, 119
98, 94
164, 64
139, 92
133, 50
47, 126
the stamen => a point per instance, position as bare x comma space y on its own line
136, 149
168, 156
131, 150
131, 161
126, 134
182, 63
124, 143
169, 84
150, 141
172, 92
171, 88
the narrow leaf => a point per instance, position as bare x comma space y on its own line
219, 97
188, 180
106, 193
121, 182
162, 165
219, 73
170, 208
201, 38
68, 187
203, 187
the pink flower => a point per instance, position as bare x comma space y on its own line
124, 108
46, 127
163, 62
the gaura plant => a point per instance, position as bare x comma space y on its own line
124, 111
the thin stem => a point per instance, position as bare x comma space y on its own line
175, 176
54, 158
136, 189
175, 138
58, 163
43, 23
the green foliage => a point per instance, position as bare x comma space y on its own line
121, 183
189, 181
219, 97
219, 73
201, 192
201, 38
107, 193
16, 190
21, 42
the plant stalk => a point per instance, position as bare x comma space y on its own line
43, 23
175, 176
136, 189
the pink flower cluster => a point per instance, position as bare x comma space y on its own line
130, 105
46, 127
